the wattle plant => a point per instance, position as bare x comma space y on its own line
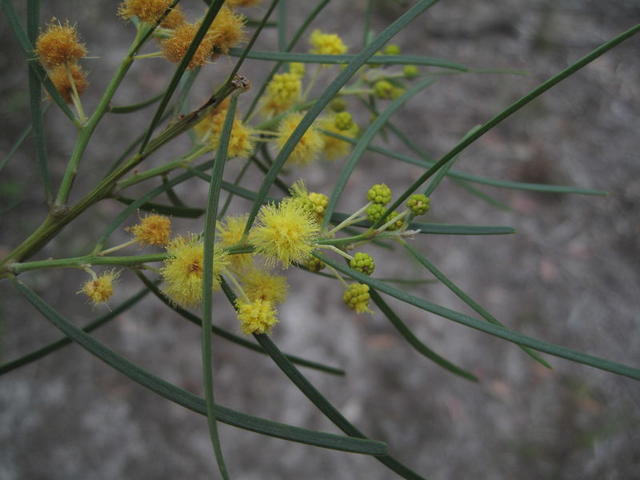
306, 112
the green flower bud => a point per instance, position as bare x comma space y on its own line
418, 204
410, 71
392, 49
375, 212
379, 193
383, 89
315, 265
338, 104
363, 262
343, 121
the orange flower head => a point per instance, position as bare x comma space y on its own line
59, 45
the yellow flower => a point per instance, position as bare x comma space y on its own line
326, 43
308, 147
149, 11
175, 47
285, 232
100, 288
227, 30
152, 230
356, 297
229, 232
260, 285
297, 68
335, 148
59, 76
258, 316
183, 270
59, 45
283, 91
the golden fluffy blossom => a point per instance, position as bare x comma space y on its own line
59, 76
152, 230
227, 30
261, 285
258, 316
149, 11
59, 45
308, 147
183, 270
284, 233
283, 91
335, 148
100, 289
175, 47
229, 232
326, 43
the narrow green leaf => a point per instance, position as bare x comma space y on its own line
134, 107
329, 93
207, 20
346, 59
191, 401
420, 347
511, 109
363, 141
27, 48
466, 298
208, 279
176, 211
58, 344
35, 102
296, 37
187, 315
331, 412
282, 25
489, 328
27, 131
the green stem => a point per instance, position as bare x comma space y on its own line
81, 262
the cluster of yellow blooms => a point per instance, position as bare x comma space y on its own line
59, 49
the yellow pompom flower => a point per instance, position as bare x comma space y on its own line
356, 297
308, 147
227, 30
59, 45
258, 316
149, 11
59, 76
183, 270
100, 288
283, 91
260, 285
335, 148
285, 232
175, 47
297, 68
229, 232
326, 43
152, 230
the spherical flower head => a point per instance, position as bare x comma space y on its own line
397, 92
229, 232
308, 147
319, 202
175, 47
284, 233
212, 123
379, 193
338, 105
383, 89
335, 148
398, 224
343, 121
260, 285
315, 265
149, 11
100, 289
242, 140
283, 91
392, 49
61, 77
227, 30
410, 71
375, 212
363, 262
183, 270
258, 316
326, 43
59, 45
356, 297
297, 68
418, 203
152, 230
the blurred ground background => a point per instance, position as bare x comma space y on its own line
569, 276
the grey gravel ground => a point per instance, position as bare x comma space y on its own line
569, 276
